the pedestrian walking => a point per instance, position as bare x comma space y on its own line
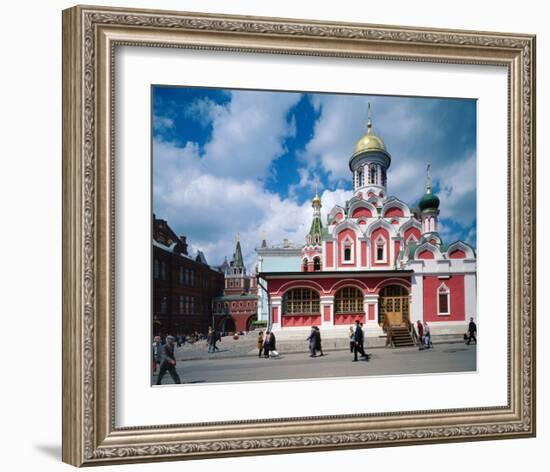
472, 330
312, 338
217, 337
351, 339
357, 341
211, 340
318, 346
156, 353
427, 336
168, 363
420, 329
260, 343
267, 344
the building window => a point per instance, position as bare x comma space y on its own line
180, 275
372, 174
304, 265
164, 305
347, 250
181, 304
348, 300
444, 300
360, 177
316, 264
162, 270
380, 249
301, 301
156, 269
187, 304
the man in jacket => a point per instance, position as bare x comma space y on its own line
358, 338
472, 330
168, 363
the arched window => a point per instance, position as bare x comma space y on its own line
360, 177
443, 300
316, 264
347, 250
380, 249
372, 175
304, 265
301, 301
348, 300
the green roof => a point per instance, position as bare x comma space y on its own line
316, 226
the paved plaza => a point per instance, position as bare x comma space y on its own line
219, 367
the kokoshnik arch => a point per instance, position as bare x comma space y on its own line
375, 260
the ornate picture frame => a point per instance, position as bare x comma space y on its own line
90, 37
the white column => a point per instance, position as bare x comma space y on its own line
276, 302
417, 293
371, 327
470, 296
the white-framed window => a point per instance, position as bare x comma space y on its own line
316, 264
348, 251
443, 300
360, 177
380, 249
304, 265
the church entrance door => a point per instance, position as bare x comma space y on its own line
393, 305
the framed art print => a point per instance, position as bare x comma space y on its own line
262, 216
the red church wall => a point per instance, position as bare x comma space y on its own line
458, 254
348, 318
394, 211
431, 290
329, 255
426, 255
341, 236
300, 320
326, 313
275, 314
410, 231
375, 234
361, 212
371, 312
363, 253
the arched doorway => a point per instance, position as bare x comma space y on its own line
227, 325
249, 321
393, 305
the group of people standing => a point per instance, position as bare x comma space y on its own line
266, 344
424, 335
211, 339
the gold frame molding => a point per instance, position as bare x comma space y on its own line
90, 36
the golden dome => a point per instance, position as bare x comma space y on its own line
369, 142
316, 200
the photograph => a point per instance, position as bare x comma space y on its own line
307, 235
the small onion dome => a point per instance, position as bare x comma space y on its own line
369, 142
316, 200
429, 201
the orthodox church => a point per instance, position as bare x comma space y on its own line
375, 260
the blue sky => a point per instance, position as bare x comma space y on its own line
247, 162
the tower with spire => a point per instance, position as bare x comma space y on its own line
429, 207
312, 251
369, 163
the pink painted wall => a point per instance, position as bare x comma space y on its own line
301, 320
458, 254
414, 231
363, 253
394, 211
329, 254
326, 313
426, 255
348, 318
361, 212
371, 312
395, 250
431, 287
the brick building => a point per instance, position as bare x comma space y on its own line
183, 286
238, 307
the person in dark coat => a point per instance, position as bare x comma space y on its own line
168, 363
358, 338
420, 329
312, 338
269, 343
318, 346
472, 330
